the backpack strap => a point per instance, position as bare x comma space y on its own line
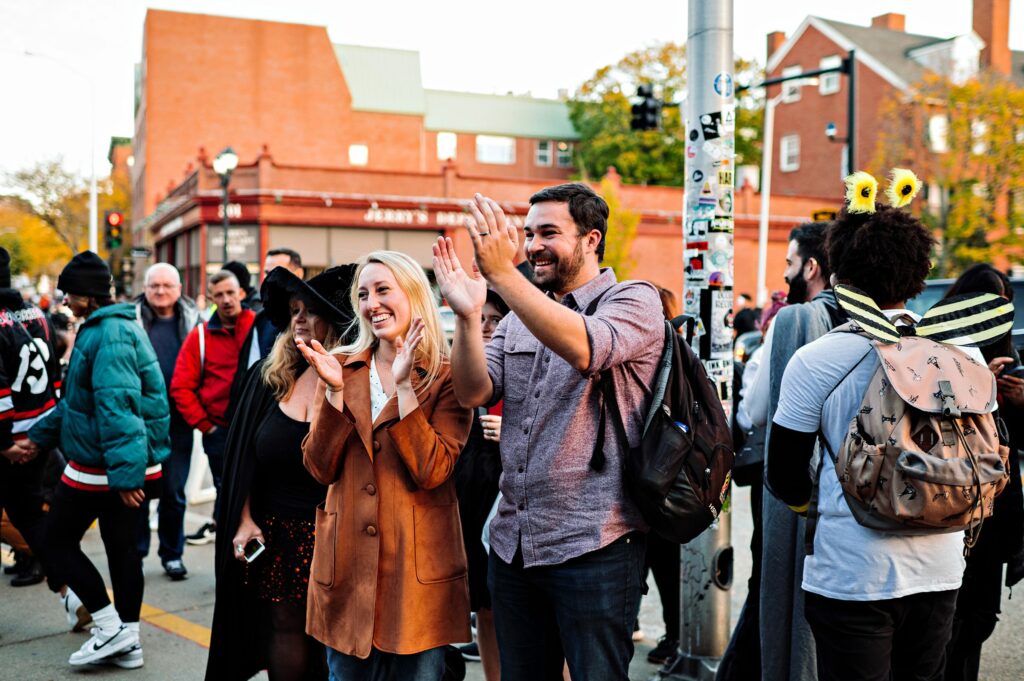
812, 505
202, 351
597, 458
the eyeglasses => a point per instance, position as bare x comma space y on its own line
160, 287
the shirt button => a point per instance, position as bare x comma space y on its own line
522, 507
370, 489
547, 359
536, 394
376, 446
520, 469
371, 530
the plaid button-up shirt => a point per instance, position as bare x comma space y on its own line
553, 503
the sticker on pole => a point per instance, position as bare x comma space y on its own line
723, 85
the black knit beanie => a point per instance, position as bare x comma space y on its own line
86, 275
5, 268
241, 273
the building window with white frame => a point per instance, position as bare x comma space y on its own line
791, 89
789, 153
938, 133
564, 156
828, 83
542, 153
447, 145
495, 150
358, 154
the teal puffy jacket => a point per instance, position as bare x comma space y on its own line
114, 413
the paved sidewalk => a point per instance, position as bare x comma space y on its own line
35, 643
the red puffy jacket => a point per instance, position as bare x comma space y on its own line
202, 391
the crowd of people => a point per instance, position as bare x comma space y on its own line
378, 482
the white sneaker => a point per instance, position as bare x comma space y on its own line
130, 658
78, 617
104, 644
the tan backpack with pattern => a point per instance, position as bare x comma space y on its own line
924, 454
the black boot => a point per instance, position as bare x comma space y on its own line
31, 572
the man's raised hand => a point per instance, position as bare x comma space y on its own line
495, 240
465, 292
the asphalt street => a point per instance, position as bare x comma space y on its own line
35, 643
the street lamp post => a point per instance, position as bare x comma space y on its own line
766, 186
224, 165
93, 202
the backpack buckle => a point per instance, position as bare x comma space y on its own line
949, 408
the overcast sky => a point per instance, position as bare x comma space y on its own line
536, 46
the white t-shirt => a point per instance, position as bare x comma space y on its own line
851, 562
378, 398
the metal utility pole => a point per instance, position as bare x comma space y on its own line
706, 562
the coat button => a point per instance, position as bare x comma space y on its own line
371, 530
522, 507
370, 489
376, 446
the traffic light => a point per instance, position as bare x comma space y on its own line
113, 224
647, 112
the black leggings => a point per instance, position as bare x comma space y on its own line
72, 513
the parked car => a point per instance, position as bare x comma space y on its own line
936, 288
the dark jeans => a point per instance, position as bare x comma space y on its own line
72, 513
584, 607
171, 510
902, 638
977, 611
662, 559
380, 666
214, 444
742, 659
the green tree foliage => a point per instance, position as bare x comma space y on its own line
622, 224
56, 200
600, 111
966, 143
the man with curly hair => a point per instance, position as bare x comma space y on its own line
880, 605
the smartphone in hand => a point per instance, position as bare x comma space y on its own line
253, 549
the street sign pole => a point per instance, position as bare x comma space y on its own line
706, 562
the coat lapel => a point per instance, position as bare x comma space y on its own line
357, 396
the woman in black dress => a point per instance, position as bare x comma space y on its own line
260, 612
476, 482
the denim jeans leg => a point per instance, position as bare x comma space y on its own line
425, 666
214, 444
596, 599
171, 513
528, 640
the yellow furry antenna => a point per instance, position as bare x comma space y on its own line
861, 188
903, 187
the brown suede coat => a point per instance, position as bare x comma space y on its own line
389, 567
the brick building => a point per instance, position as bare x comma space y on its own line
888, 60
343, 150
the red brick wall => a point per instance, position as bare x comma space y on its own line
821, 159
216, 81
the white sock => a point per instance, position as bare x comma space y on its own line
132, 626
71, 600
107, 619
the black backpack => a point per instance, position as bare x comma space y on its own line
679, 474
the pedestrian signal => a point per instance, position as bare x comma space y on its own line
646, 115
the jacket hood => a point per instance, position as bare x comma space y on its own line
122, 310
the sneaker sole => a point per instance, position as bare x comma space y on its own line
106, 652
199, 541
129, 659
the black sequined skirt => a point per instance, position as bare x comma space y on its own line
281, 572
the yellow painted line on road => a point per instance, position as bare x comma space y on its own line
179, 626
171, 623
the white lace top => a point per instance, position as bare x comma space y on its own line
378, 398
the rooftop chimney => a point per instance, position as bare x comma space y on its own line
890, 21
992, 23
775, 41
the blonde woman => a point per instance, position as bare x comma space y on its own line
270, 499
388, 588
